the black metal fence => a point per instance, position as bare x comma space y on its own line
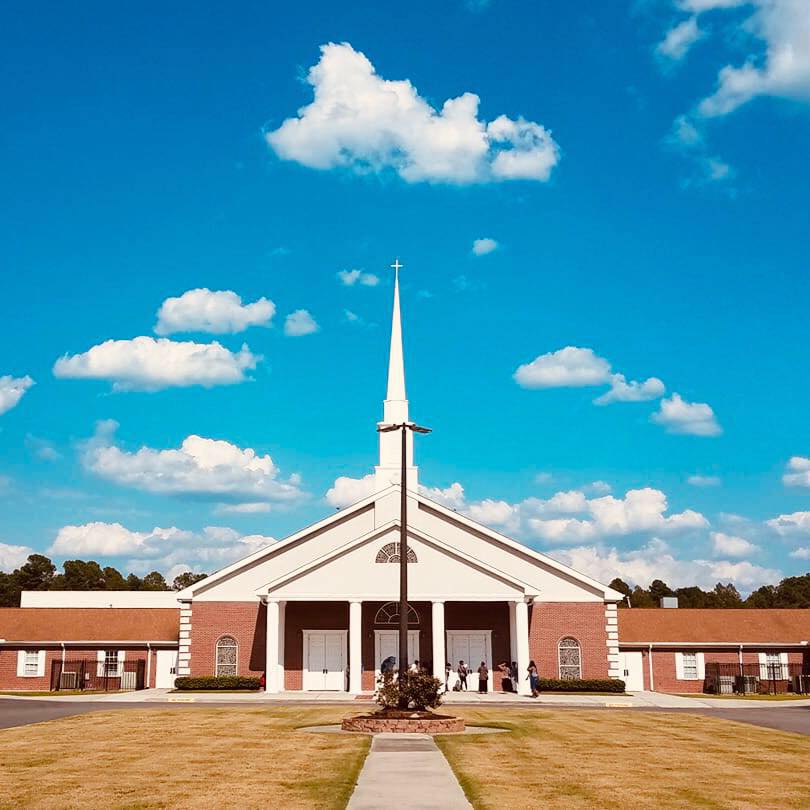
750, 679
97, 676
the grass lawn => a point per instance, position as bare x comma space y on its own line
623, 758
195, 757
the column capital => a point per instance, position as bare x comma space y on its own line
437, 601
355, 601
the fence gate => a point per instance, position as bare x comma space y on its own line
87, 674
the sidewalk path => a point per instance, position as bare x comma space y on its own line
407, 770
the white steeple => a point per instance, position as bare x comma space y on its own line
395, 408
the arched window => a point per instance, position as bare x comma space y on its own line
227, 656
389, 614
389, 553
570, 659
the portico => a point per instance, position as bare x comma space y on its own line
304, 653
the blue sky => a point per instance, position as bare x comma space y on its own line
640, 169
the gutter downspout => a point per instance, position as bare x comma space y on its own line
650, 666
148, 665
63, 655
740, 656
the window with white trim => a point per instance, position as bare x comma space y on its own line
111, 663
31, 668
690, 666
570, 657
227, 656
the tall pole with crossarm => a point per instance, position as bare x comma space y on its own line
396, 394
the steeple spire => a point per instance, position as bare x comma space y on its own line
396, 362
395, 407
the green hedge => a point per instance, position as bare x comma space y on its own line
216, 682
593, 685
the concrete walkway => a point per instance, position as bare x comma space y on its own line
407, 770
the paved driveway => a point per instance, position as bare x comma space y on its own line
24, 712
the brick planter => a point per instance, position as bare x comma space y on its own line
422, 723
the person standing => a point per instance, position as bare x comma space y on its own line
448, 668
533, 679
483, 678
514, 675
462, 675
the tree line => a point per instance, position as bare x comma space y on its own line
791, 592
39, 574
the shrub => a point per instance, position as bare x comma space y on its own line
216, 682
580, 685
421, 690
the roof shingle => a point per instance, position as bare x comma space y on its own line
89, 624
713, 625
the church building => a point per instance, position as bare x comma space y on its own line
318, 610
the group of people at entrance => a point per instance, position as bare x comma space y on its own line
463, 671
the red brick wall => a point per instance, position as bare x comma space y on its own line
8, 665
245, 621
664, 667
584, 621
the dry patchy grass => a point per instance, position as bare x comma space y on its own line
189, 758
623, 758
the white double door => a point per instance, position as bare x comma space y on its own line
472, 647
324, 660
386, 644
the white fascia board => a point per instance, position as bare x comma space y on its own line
609, 594
89, 643
271, 550
416, 533
701, 644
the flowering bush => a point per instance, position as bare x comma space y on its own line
413, 690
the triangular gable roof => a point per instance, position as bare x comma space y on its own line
382, 530
449, 514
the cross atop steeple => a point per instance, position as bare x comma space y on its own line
397, 266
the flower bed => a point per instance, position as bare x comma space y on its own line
403, 722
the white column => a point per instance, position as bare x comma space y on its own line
271, 645
282, 622
355, 647
522, 644
439, 655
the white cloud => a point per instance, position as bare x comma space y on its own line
42, 448
494, 513
346, 491
352, 317
783, 27
351, 277
300, 323
798, 474
200, 466
679, 416
685, 133
12, 390
452, 497
802, 553
144, 363
731, 545
242, 508
481, 247
656, 561
679, 39
171, 549
794, 523
704, 481
12, 557
366, 123
623, 391
219, 313
640, 510
598, 487
571, 367
575, 367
